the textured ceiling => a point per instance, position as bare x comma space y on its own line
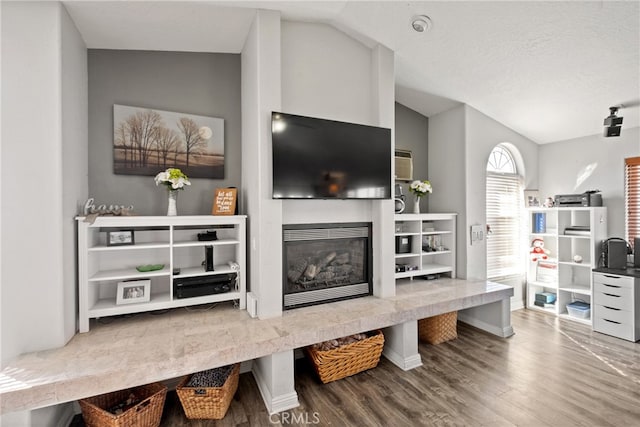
548, 70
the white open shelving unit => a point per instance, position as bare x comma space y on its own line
571, 281
167, 240
432, 243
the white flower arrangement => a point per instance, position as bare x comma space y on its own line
420, 188
173, 179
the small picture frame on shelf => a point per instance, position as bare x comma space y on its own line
531, 198
133, 291
120, 238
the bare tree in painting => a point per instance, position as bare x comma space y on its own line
142, 129
192, 138
150, 121
167, 142
123, 143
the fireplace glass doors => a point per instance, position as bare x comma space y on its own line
326, 262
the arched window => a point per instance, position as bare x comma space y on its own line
501, 161
504, 205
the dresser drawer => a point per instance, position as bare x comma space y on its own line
613, 300
610, 313
617, 290
609, 327
610, 279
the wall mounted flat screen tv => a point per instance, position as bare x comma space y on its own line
325, 159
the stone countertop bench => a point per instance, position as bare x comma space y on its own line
128, 352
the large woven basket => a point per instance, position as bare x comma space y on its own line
348, 359
208, 403
438, 329
147, 413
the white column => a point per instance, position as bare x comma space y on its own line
383, 105
401, 345
274, 376
261, 95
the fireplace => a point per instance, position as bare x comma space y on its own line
326, 262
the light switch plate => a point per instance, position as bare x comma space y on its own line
476, 233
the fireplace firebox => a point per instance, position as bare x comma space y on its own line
326, 262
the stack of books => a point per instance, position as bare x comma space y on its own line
545, 300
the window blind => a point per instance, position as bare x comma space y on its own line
632, 197
504, 204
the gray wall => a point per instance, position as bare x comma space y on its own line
206, 84
412, 133
589, 163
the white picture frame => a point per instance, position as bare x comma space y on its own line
532, 199
133, 291
120, 238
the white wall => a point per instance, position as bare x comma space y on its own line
74, 158
460, 141
483, 134
43, 181
447, 173
325, 74
32, 258
589, 163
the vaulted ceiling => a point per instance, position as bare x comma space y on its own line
548, 70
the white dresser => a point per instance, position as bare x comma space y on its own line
616, 304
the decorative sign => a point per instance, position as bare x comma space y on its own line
91, 211
224, 201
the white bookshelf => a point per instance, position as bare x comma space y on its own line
432, 244
167, 240
572, 280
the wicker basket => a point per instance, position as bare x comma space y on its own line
147, 413
208, 403
348, 359
438, 329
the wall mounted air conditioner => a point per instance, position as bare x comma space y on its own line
404, 165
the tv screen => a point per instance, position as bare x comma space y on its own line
325, 159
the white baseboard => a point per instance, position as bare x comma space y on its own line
505, 332
274, 404
404, 363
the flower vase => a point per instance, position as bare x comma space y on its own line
416, 205
172, 208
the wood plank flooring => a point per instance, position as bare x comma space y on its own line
552, 372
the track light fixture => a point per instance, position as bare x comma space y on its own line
613, 123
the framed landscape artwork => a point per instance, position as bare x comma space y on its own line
147, 141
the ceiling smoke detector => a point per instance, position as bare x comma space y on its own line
421, 23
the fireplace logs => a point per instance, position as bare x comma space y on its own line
325, 270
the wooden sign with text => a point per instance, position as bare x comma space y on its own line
224, 201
